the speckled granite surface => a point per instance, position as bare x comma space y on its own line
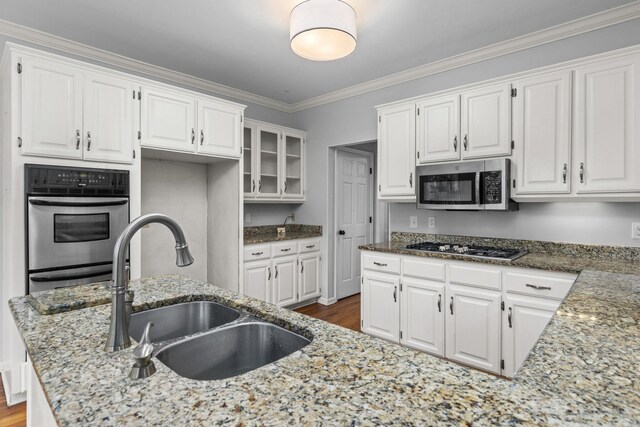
268, 233
71, 298
584, 370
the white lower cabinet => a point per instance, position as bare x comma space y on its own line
380, 306
257, 279
38, 411
309, 276
422, 315
285, 281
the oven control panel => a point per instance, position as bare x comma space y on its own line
52, 180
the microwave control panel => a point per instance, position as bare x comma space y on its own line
492, 187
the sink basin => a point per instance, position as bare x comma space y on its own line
230, 351
180, 320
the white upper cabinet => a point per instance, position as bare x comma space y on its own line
168, 120
52, 96
607, 126
269, 161
438, 130
486, 121
109, 119
396, 152
542, 133
292, 165
219, 129
249, 180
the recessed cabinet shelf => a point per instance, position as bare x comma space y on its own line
278, 166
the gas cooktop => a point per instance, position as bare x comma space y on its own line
470, 251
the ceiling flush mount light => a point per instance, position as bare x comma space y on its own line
323, 30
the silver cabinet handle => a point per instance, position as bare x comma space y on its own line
285, 186
253, 185
581, 172
193, 135
465, 142
78, 139
269, 268
257, 253
310, 246
451, 305
455, 143
411, 179
276, 272
379, 264
201, 136
542, 288
285, 250
564, 174
439, 303
395, 294
88, 141
509, 317
259, 185
302, 264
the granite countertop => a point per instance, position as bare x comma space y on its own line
269, 233
583, 369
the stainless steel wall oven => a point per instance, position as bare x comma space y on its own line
74, 217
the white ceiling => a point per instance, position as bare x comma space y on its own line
244, 44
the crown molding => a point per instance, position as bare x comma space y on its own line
576, 27
568, 29
40, 38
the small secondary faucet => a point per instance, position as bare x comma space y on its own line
121, 296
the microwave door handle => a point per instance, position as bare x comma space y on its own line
63, 277
40, 202
478, 201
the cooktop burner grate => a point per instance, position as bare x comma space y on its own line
470, 251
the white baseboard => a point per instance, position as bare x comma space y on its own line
327, 301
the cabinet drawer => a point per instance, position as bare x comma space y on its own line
309, 246
256, 252
475, 276
537, 285
284, 248
381, 263
424, 269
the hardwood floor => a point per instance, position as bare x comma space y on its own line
12, 416
345, 312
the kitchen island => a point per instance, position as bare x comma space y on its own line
583, 369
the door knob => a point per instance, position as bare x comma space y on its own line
341, 232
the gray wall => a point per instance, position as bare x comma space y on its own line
353, 120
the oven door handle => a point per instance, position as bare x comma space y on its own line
62, 277
40, 202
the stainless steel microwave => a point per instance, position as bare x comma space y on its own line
481, 185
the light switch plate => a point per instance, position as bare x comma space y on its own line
635, 230
247, 217
432, 222
413, 222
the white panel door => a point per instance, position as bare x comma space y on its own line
438, 129
256, 280
285, 281
220, 129
542, 133
396, 151
353, 197
380, 306
607, 126
51, 109
109, 119
422, 315
523, 321
473, 327
168, 120
486, 122
309, 283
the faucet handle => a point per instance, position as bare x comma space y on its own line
143, 366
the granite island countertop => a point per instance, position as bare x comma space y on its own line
269, 233
583, 369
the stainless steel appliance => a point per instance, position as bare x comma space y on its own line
74, 217
469, 185
470, 251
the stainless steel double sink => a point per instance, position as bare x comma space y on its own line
205, 340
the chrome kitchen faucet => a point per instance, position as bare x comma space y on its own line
121, 296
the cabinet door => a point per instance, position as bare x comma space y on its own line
542, 133
168, 120
249, 180
473, 327
309, 276
268, 158
438, 129
607, 127
523, 321
486, 122
51, 109
257, 280
422, 315
285, 281
220, 129
380, 306
293, 165
396, 152
109, 119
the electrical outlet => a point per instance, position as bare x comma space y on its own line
413, 222
247, 217
635, 230
432, 222
293, 217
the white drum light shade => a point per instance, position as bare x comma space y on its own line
323, 30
